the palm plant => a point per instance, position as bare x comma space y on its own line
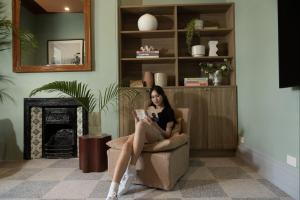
6, 28
84, 96
3, 94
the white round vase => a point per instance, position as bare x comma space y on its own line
147, 22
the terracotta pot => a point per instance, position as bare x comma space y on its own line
148, 79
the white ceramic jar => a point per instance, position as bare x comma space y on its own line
161, 79
198, 50
147, 22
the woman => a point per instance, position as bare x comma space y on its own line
148, 130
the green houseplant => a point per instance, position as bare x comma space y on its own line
190, 34
215, 71
6, 29
85, 97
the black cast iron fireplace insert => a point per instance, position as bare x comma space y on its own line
59, 126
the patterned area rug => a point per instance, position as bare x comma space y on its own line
207, 179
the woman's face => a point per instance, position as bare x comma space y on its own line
156, 98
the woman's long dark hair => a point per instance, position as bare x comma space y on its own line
167, 105
161, 92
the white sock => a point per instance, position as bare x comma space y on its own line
114, 187
130, 169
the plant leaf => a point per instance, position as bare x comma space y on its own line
78, 91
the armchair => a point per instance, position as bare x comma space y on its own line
161, 164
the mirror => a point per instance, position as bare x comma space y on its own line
62, 31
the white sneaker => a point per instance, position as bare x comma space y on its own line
125, 183
112, 197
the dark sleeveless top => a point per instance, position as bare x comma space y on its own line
165, 116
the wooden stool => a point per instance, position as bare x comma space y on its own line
92, 153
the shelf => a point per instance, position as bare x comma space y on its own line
149, 34
142, 9
204, 8
213, 32
150, 60
204, 58
185, 87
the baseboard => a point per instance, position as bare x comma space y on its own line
280, 174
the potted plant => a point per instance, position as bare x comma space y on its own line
27, 40
191, 32
84, 96
216, 72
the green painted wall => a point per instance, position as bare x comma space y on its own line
28, 24
59, 26
105, 59
268, 116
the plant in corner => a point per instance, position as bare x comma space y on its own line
26, 38
84, 96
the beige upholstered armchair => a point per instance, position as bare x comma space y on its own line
161, 164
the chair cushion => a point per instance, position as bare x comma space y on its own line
171, 143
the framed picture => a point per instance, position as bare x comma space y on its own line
65, 52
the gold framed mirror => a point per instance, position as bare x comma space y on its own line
62, 29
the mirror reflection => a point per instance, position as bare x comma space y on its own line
58, 26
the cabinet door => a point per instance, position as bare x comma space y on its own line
222, 121
196, 99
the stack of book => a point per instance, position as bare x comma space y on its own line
147, 54
195, 81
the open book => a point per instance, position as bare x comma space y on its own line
150, 112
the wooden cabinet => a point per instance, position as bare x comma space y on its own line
222, 121
213, 114
213, 108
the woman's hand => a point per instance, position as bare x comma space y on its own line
149, 121
136, 119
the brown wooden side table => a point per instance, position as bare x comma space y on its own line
92, 153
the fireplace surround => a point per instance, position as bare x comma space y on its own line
52, 127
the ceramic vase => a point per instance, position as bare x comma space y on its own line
198, 50
147, 22
161, 79
148, 80
217, 80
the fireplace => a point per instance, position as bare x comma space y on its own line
52, 127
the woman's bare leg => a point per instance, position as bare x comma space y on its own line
138, 141
123, 160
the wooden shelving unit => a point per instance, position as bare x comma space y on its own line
169, 38
215, 105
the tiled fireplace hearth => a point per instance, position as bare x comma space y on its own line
52, 127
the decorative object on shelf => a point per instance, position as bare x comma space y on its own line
148, 79
217, 78
136, 83
147, 52
190, 34
213, 48
214, 70
147, 22
201, 81
198, 24
198, 50
161, 79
